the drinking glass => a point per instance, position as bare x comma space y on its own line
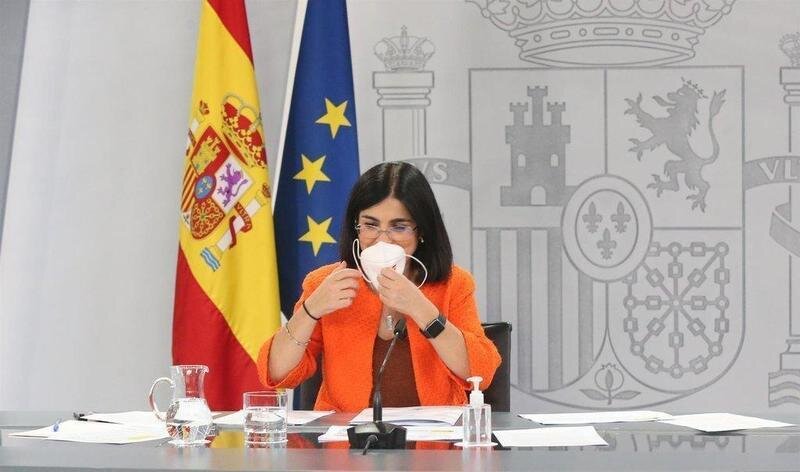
265, 416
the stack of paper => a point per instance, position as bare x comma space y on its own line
597, 417
550, 437
717, 422
414, 415
95, 432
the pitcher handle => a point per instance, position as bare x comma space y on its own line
152, 398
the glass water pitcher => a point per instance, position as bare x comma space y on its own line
188, 418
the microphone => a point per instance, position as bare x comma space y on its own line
382, 435
400, 333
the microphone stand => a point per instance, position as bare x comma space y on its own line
377, 434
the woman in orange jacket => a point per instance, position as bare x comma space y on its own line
351, 322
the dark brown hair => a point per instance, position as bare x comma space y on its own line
407, 184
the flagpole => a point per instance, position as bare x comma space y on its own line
299, 20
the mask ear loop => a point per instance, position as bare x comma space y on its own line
425, 277
356, 257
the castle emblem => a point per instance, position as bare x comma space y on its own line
538, 176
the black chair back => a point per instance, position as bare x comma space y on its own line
498, 394
310, 388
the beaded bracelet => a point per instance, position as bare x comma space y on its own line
301, 344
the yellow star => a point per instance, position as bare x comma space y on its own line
312, 172
317, 234
334, 116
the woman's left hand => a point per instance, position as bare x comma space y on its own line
401, 295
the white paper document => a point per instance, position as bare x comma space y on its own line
716, 422
413, 415
95, 432
550, 437
296, 417
299, 417
413, 433
596, 417
43, 433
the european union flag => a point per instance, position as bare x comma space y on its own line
320, 155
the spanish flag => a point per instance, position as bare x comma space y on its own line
226, 289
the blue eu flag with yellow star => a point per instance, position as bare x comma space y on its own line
320, 155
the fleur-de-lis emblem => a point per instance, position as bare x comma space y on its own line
592, 218
621, 218
606, 245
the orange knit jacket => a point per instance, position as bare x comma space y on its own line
347, 336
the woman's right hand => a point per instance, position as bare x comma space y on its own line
337, 291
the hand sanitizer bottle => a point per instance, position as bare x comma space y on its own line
477, 418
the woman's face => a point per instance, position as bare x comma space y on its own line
388, 221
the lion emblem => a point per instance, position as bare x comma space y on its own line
674, 131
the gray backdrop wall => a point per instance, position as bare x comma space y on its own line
12, 32
619, 175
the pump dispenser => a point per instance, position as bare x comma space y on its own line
477, 418
475, 396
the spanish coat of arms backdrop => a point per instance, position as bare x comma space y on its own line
618, 176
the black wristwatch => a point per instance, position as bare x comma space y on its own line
435, 327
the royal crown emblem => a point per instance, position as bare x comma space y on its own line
790, 45
605, 32
241, 125
404, 52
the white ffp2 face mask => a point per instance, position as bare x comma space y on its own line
380, 255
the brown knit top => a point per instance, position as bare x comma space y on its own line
398, 387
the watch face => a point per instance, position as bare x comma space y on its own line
435, 327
